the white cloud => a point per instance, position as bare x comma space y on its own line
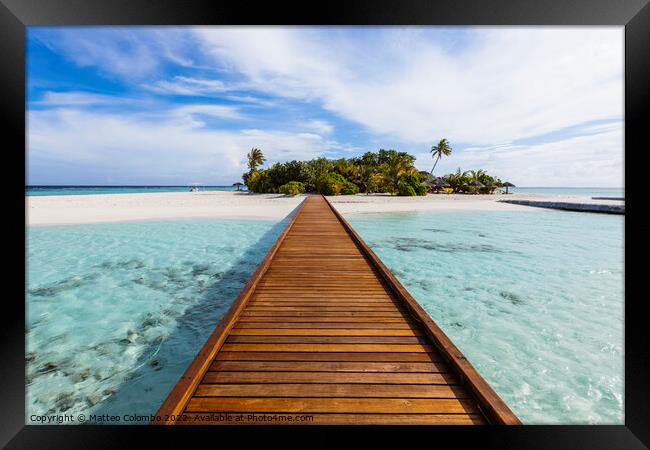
509, 84
407, 87
188, 114
583, 161
129, 53
319, 126
139, 149
181, 85
51, 98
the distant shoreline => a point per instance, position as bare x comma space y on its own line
51, 190
108, 208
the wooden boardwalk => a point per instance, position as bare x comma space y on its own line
323, 333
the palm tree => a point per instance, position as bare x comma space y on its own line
457, 180
255, 158
475, 175
437, 151
366, 178
395, 168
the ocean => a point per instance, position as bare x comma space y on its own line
534, 299
116, 312
93, 190
90, 190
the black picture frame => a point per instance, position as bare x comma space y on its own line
16, 15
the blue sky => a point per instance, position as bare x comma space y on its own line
538, 106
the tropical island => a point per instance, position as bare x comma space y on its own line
384, 171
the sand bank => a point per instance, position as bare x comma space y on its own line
79, 209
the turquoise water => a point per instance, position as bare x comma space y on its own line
580, 192
534, 300
92, 190
115, 312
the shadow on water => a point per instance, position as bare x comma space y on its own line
164, 361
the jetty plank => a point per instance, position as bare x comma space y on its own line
323, 333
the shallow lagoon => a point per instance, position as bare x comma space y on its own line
116, 312
534, 300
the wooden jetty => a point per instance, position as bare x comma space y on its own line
323, 333
603, 208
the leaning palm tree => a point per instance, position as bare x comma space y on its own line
255, 159
437, 151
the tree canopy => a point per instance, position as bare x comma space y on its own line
384, 171
388, 171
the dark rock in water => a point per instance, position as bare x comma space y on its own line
48, 367
64, 401
108, 392
129, 264
482, 235
200, 269
131, 336
436, 230
458, 325
82, 376
30, 357
410, 244
64, 285
513, 298
154, 363
150, 322
104, 373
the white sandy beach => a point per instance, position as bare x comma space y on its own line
83, 209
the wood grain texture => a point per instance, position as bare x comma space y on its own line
324, 334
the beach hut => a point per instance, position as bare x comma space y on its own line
507, 184
439, 184
426, 184
238, 185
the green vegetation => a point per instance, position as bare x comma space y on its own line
292, 188
472, 182
410, 185
255, 159
440, 150
385, 171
